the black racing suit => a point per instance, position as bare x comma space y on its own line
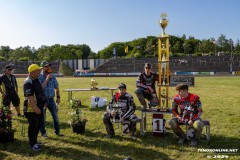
127, 105
143, 82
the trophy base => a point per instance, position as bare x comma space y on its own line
163, 109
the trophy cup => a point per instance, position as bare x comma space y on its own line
163, 23
118, 111
93, 84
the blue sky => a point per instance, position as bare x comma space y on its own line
98, 23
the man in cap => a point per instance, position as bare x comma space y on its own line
34, 102
9, 89
50, 86
125, 102
146, 87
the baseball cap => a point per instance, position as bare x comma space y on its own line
44, 63
147, 65
122, 85
8, 67
33, 67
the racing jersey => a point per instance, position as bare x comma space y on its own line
32, 87
192, 101
125, 102
145, 81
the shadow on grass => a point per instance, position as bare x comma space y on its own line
23, 149
216, 141
98, 108
92, 145
2, 155
114, 146
49, 124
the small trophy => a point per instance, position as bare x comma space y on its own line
94, 84
118, 112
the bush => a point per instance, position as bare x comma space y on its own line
138, 55
178, 55
23, 59
2, 58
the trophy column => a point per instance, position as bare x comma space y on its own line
158, 128
163, 66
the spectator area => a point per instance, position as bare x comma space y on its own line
21, 67
177, 64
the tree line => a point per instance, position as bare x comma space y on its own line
142, 47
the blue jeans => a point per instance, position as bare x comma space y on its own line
51, 105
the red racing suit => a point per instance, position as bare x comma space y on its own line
184, 103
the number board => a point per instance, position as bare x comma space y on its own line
157, 123
125, 127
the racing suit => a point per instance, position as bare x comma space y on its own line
127, 105
143, 82
190, 109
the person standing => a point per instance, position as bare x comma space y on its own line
146, 87
34, 102
189, 113
50, 85
9, 89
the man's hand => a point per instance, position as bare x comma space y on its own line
113, 113
150, 89
190, 123
49, 76
37, 110
58, 100
179, 119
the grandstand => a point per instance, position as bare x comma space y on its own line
177, 64
21, 67
217, 64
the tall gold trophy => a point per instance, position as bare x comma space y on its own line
163, 66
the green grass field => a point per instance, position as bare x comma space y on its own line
220, 98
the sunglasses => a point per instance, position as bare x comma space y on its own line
9, 69
147, 68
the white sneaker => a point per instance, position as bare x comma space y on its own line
36, 148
